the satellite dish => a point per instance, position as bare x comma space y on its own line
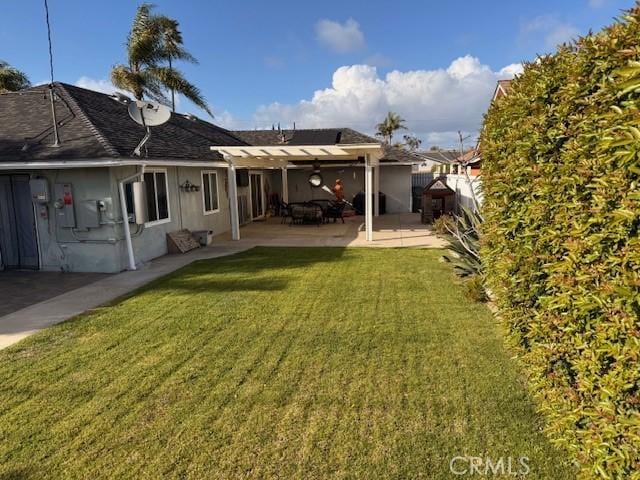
149, 114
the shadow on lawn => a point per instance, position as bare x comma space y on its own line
203, 283
202, 275
268, 258
18, 474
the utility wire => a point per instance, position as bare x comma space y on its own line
46, 11
56, 137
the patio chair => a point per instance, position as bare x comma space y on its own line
335, 210
284, 211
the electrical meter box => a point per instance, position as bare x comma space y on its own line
63, 202
39, 190
88, 213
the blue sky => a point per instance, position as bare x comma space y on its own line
329, 63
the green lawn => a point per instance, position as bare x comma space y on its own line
274, 363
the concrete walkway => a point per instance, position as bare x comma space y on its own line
20, 324
22, 288
402, 230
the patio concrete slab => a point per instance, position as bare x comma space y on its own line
393, 230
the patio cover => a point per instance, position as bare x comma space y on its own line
279, 156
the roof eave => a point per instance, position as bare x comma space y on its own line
106, 162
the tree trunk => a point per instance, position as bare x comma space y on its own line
173, 93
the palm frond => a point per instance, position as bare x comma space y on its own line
144, 44
174, 80
122, 77
12, 79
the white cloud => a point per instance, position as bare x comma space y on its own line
100, 85
511, 71
554, 30
229, 121
435, 103
341, 38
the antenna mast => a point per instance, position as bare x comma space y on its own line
56, 137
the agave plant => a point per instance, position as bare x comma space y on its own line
465, 242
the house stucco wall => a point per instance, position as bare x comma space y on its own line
80, 250
103, 249
395, 183
186, 211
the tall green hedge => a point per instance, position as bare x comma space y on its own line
561, 171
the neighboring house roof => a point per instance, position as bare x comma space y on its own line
308, 136
440, 156
470, 157
96, 125
323, 136
503, 88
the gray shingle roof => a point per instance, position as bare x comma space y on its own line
95, 125
441, 156
347, 136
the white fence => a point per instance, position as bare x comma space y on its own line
461, 185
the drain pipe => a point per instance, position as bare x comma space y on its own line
125, 216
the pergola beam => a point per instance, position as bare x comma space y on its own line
233, 199
368, 194
279, 156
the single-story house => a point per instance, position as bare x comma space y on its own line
60, 202
436, 161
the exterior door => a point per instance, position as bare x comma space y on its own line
18, 240
257, 195
438, 207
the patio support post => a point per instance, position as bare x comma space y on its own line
376, 190
368, 190
285, 185
233, 198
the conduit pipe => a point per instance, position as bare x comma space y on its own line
125, 215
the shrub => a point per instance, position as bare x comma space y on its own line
474, 289
560, 246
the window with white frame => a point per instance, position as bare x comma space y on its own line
157, 187
210, 191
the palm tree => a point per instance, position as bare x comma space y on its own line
392, 123
12, 79
412, 142
172, 47
154, 39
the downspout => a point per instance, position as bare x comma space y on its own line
125, 216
